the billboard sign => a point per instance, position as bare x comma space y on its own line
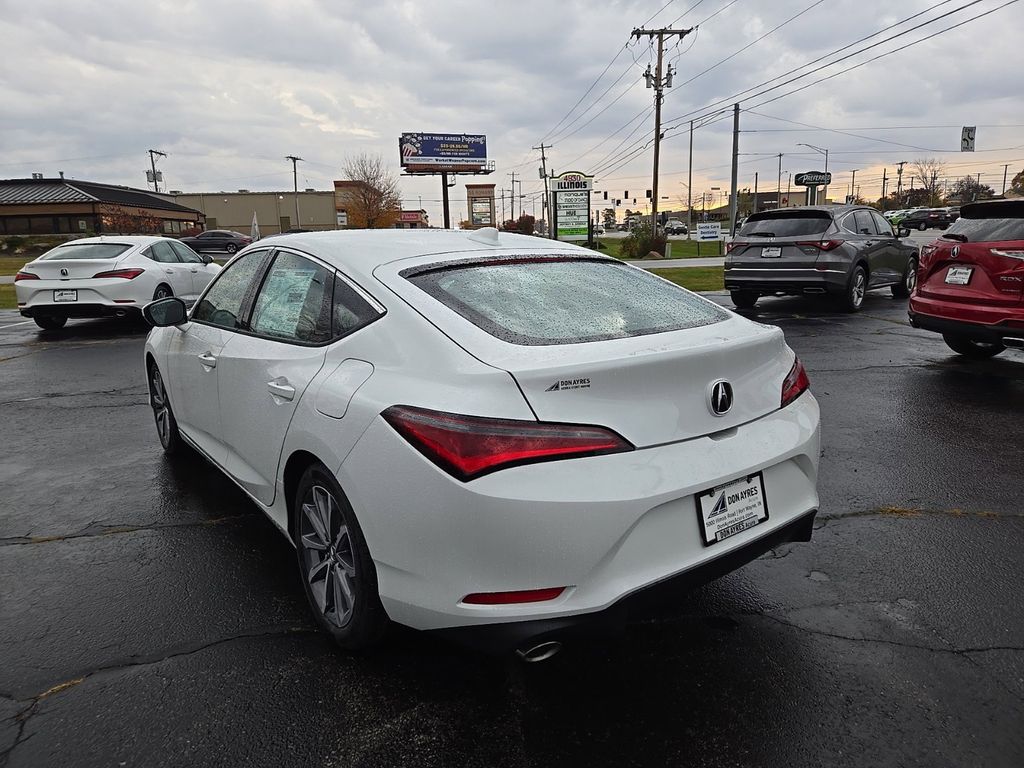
812, 179
443, 150
572, 206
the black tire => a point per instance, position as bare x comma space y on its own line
856, 289
744, 299
977, 350
163, 416
50, 322
163, 291
907, 282
922, 226
230, 247
332, 552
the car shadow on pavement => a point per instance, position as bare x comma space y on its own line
93, 330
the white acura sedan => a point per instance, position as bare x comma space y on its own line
497, 437
109, 276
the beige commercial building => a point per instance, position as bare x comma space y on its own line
275, 211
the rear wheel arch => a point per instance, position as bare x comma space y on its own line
294, 469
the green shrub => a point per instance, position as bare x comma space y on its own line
641, 241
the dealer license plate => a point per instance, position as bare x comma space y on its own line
771, 252
65, 294
959, 275
732, 508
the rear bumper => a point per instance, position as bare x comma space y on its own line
788, 281
611, 622
76, 310
977, 322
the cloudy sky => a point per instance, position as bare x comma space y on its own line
227, 89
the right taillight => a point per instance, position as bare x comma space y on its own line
795, 383
824, 245
470, 446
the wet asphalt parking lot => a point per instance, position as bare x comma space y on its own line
149, 615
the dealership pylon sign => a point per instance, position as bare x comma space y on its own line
571, 192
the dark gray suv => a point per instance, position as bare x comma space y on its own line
841, 250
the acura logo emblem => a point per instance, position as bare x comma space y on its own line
956, 252
63, 272
721, 397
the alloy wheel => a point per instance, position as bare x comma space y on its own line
859, 287
328, 558
161, 408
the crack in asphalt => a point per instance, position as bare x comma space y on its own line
124, 391
29, 711
113, 530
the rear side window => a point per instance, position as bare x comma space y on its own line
786, 224
555, 300
990, 223
350, 311
87, 251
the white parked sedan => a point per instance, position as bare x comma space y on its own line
492, 436
109, 276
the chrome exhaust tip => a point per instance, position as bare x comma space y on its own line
541, 652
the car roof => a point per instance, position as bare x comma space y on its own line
124, 239
359, 251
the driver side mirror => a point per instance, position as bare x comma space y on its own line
903, 232
164, 312
207, 258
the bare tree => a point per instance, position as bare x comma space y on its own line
373, 200
930, 171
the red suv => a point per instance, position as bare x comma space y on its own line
970, 282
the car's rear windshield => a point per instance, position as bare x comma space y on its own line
554, 300
786, 224
990, 223
86, 251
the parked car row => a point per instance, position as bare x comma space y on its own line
923, 218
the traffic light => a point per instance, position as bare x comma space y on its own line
648, 194
605, 195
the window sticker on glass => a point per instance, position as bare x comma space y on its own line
282, 300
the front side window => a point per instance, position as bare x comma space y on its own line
222, 303
555, 300
294, 302
882, 226
185, 254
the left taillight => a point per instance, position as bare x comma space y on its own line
470, 446
795, 383
126, 274
25, 276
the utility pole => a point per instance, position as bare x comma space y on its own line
512, 201
885, 181
755, 193
295, 186
735, 164
547, 194
778, 203
899, 180
853, 185
661, 81
152, 164
1006, 168
689, 189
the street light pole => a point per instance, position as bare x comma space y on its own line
295, 187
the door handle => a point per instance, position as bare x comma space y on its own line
169, 271
281, 388
194, 271
208, 360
